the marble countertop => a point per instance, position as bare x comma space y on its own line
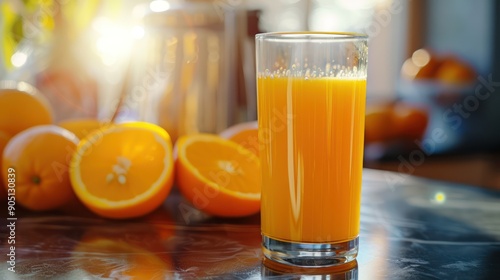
411, 228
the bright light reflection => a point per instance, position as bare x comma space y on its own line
114, 39
110, 47
102, 25
18, 59
159, 5
289, 1
421, 57
327, 19
289, 19
440, 197
137, 32
409, 69
357, 4
360, 4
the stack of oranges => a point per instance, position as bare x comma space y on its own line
120, 170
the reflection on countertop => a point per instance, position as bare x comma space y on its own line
410, 229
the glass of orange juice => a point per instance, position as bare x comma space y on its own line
311, 90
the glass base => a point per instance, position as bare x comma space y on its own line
310, 254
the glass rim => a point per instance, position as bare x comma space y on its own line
310, 36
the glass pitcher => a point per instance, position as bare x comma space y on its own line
191, 70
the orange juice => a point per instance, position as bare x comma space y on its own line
312, 136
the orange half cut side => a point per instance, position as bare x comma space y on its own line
218, 176
123, 171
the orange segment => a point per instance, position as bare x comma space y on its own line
218, 176
246, 134
22, 106
123, 171
40, 157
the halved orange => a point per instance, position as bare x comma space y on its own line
123, 171
218, 176
246, 134
22, 106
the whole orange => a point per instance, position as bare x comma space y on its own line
39, 159
22, 106
455, 71
379, 123
410, 121
83, 127
4, 139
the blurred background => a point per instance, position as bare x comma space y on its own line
434, 76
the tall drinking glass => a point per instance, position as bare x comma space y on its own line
311, 111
